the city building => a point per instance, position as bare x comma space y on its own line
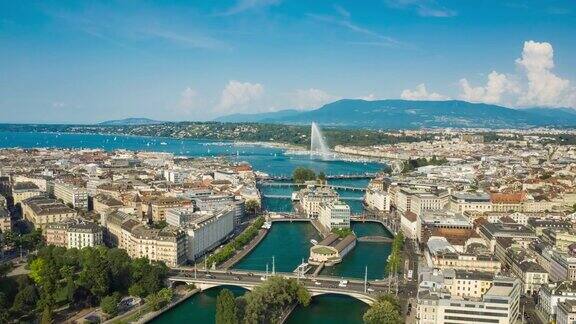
334, 215
470, 202
71, 195
312, 198
551, 295
566, 312
73, 233
377, 199
204, 230
5, 220
24, 190
500, 303
103, 204
41, 211
331, 250
167, 245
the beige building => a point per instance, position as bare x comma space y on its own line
167, 245
24, 190
312, 198
41, 211
56, 234
103, 204
5, 220
158, 207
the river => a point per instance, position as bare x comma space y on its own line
288, 243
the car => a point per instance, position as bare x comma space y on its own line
343, 283
370, 290
263, 278
209, 276
237, 278
317, 283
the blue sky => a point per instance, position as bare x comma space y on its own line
88, 61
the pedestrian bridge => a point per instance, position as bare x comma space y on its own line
316, 286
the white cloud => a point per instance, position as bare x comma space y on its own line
421, 93
312, 98
544, 87
493, 92
424, 8
238, 94
369, 97
188, 99
245, 5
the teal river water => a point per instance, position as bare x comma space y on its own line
288, 243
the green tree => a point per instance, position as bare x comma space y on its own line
46, 316
25, 300
266, 303
226, 308
252, 206
382, 311
37, 268
109, 304
301, 175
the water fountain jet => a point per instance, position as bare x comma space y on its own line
318, 146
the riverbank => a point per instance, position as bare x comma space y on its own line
245, 251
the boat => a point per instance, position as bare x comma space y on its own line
267, 225
302, 268
163, 143
314, 242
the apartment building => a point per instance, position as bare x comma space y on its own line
436, 304
566, 312
312, 198
551, 296
204, 230
41, 211
5, 220
103, 204
24, 190
470, 202
377, 199
334, 215
167, 245
71, 195
74, 233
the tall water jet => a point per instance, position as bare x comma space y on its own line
318, 147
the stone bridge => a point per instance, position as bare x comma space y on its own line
322, 285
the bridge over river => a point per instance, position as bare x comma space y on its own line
366, 175
365, 291
292, 184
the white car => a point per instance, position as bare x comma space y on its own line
370, 290
343, 283
317, 283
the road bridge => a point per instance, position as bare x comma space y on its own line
366, 175
365, 291
290, 197
292, 184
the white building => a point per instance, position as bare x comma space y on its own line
70, 194
551, 295
313, 197
498, 304
205, 230
377, 199
334, 215
84, 234
566, 313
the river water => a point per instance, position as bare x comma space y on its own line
289, 243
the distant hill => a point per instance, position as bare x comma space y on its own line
130, 122
396, 114
256, 118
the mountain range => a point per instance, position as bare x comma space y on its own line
396, 114
130, 122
